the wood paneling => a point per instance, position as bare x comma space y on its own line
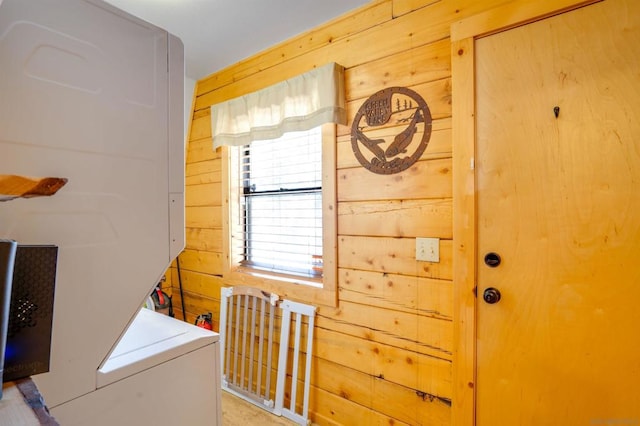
392, 331
439, 145
405, 330
340, 29
201, 127
330, 409
396, 218
424, 296
208, 285
425, 179
207, 171
392, 256
437, 93
400, 403
204, 239
401, 366
206, 194
422, 64
203, 217
206, 262
384, 355
402, 7
196, 304
387, 38
201, 150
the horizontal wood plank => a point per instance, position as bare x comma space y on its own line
397, 365
405, 330
415, 407
203, 172
463, 8
197, 283
203, 217
340, 28
427, 296
392, 256
203, 167
207, 194
423, 180
210, 177
201, 150
388, 38
329, 409
201, 126
396, 218
402, 7
398, 402
204, 239
430, 62
439, 146
437, 95
195, 305
205, 262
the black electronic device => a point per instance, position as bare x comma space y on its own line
31, 311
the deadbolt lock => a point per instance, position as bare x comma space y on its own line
492, 259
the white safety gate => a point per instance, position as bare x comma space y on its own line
252, 347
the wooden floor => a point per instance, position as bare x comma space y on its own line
238, 412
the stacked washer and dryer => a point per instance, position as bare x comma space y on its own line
94, 95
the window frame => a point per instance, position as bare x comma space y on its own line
321, 290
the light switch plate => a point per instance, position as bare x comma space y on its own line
428, 249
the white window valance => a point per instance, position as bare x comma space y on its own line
299, 103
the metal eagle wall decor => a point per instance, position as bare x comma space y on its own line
375, 141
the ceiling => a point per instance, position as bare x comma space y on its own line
219, 33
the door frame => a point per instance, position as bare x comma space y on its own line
464, 33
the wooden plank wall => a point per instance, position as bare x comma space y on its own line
384, 356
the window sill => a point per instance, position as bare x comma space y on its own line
305, 290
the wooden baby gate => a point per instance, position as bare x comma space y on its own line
252, 347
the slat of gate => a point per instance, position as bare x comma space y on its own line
226, 308
307, 373
296, 356
236, 352
260, 349
243, 355
272, 321
252, 345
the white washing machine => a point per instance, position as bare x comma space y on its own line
94, 95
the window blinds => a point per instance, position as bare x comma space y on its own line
282, 203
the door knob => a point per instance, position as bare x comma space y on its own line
491, 295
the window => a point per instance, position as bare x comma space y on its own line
279, 219
280, 223
281, 203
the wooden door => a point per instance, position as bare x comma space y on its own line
558, 192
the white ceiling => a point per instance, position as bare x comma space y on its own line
219, 33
